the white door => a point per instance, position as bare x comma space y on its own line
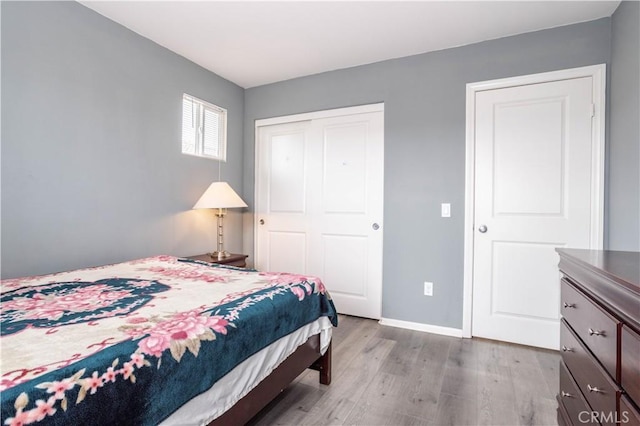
533, 177
319, 193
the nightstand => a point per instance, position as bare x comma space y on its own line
239, 260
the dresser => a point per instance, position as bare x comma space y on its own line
599, 337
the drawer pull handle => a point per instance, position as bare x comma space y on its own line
566, 394
566, 349
594, 389
568, 305
593, 332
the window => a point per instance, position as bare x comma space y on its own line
204, 129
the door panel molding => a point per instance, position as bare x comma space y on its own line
598, 75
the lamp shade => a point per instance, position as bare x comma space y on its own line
219, 195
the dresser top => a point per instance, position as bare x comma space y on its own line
622, 267
610, 277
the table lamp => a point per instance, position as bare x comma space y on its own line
219, 196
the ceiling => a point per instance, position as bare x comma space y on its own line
252, 43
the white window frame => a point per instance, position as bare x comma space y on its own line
198, 111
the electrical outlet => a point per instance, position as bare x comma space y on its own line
445, 210
428, 288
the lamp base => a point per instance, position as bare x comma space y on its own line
219, 255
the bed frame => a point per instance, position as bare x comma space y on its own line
306, 356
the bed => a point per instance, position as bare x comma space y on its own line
158, 340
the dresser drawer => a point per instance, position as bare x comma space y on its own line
571, 398
562, 416
596, 327
630, 374
629, 415
592, 380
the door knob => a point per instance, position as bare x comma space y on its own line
482, 228
261, 221
375, 226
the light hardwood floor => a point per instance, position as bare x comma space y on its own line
391, 376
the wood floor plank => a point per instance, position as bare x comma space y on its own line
291, 407
330, 411
496, 400
490, 359
549, 362
518, 355
534, 400
375, 414
346, 326
415, 396
493, 412
462, 354
528, 381
347, 388
349, 348
435, 351
455, 411
537, 411
403, 358
495, 386
346, 346
354, 381
390, 376
460, 382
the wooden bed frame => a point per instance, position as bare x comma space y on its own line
306, 356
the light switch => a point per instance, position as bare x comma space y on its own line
445, 209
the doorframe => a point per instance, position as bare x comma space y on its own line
598, 74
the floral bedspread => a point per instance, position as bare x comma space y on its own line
130, 343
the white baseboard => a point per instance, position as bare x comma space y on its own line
435, 329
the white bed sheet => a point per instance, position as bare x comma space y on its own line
211, 404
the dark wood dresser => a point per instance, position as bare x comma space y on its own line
599, 337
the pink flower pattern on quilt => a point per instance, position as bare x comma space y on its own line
89, 384
83, 299
189, 273
283, 278
177, 332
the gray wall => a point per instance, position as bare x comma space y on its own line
623, 207
92, 171
424, 98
